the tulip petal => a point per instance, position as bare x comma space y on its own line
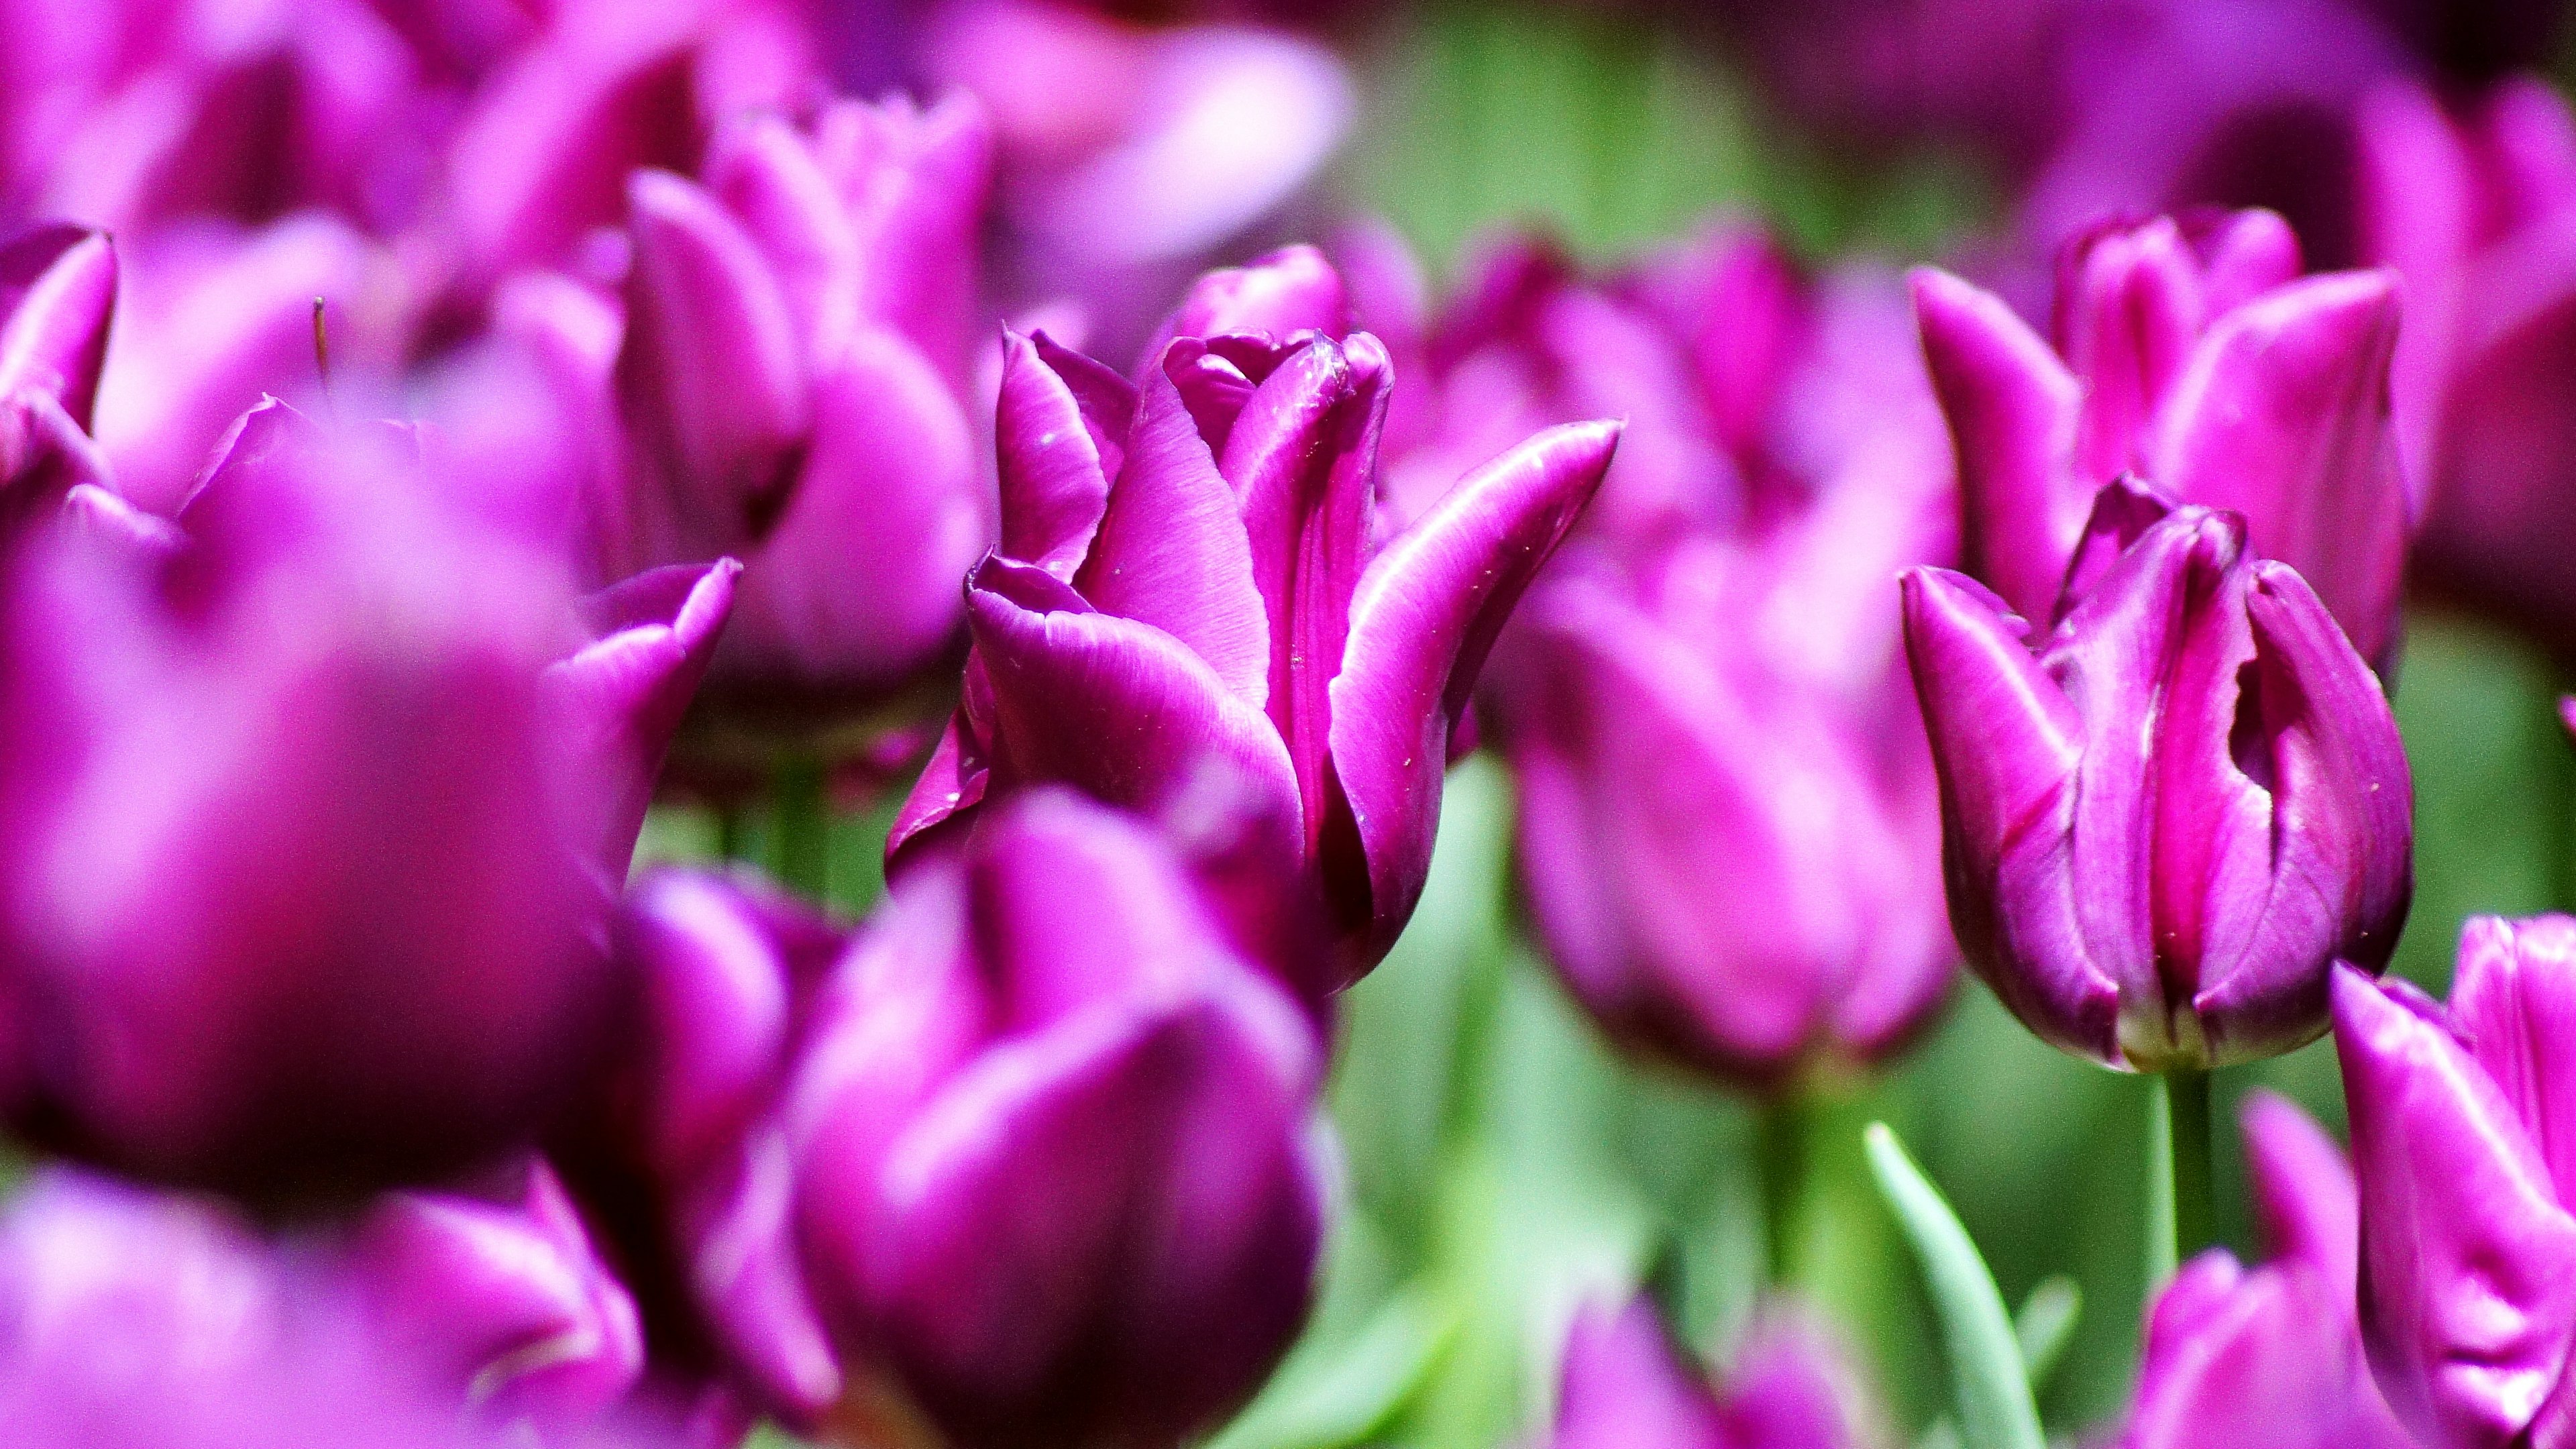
767, 175
57, 292
1289, 291
2129, 307
1055, 466
2513, 1003
102, 515
2468, 1261
2283, 415
747, 1276
2013, 411
1625, 1384
2304, 1198
1172, 551
2243, 254
1423, 617
44, 460
2007, 744
2123, 511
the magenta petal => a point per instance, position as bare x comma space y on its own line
1625, 1385
2259, 1360
1172, 551
44, 460
101, 514
2013, 411
2243, 254
738, 1221
1422, 620
1292, 290
2007, 743
1055, 469
2283, 415
2513, 1003
2129, 307
2123, 511
1127, 714
2303, 1193
767, 176
710, 377
949, 785
618, 700
2468, 1261
57, 291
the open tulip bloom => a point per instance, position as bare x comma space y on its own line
2168, 817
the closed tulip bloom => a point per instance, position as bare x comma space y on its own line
1052, 1014
1189, 598
2460, 1144
2254, 1358
681, 1155
57, 292
2168, 817
2192, 353
314, 808
792, 382
1626, 1383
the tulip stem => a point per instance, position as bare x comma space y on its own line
802, 854
1782, 1129
2180, 1217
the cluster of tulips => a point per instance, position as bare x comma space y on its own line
438, 438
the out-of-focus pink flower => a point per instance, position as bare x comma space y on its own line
2192, 353
57, 292
1057, 1169
1192, 606
315, 803
2268, 1357
792, 384
1626, 1383
2168, 819
1728, 832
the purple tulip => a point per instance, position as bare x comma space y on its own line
2460, 1142
682, 1154
1189, 597
2268, 1357
1626, 1383
792, 380
2477, 207
2192, 353
314, 808
1729, 827
2165, 819
1052, 1014
57, 292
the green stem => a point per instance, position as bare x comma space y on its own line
730, 841
2180, 1217
1782, 1140
804, 841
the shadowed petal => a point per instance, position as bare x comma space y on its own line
57, 291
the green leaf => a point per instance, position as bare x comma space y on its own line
2046, 1325
1993, 1388
1350, 1395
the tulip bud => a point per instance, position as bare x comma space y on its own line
1625, 1382
2191, 353
2461, 1146
2166, 819
1051, 1015
1223, 624
314, 814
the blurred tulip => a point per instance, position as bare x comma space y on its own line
1626, 1383
1224, 618
2166, 819
2477, 207
793, 381
2191, 353
1728, 828
314, 810
2269, 1357
682, 1155
2460, 1142
57, 292
1051, 1015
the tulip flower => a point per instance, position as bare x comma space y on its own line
2459, 1142
2192, 353
1053, 1014
1188, 596
1625, 1382
57, 292
1728, 826
2166, 819
681, 1154
314, 811
792, 380
2268, 1357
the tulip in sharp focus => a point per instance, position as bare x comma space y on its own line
314, 806
2166, 819
2268, 1357
792, 381
2192, 353
1189, 605
2461, 1144
1625, 1384
57, 292
1053, 1015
